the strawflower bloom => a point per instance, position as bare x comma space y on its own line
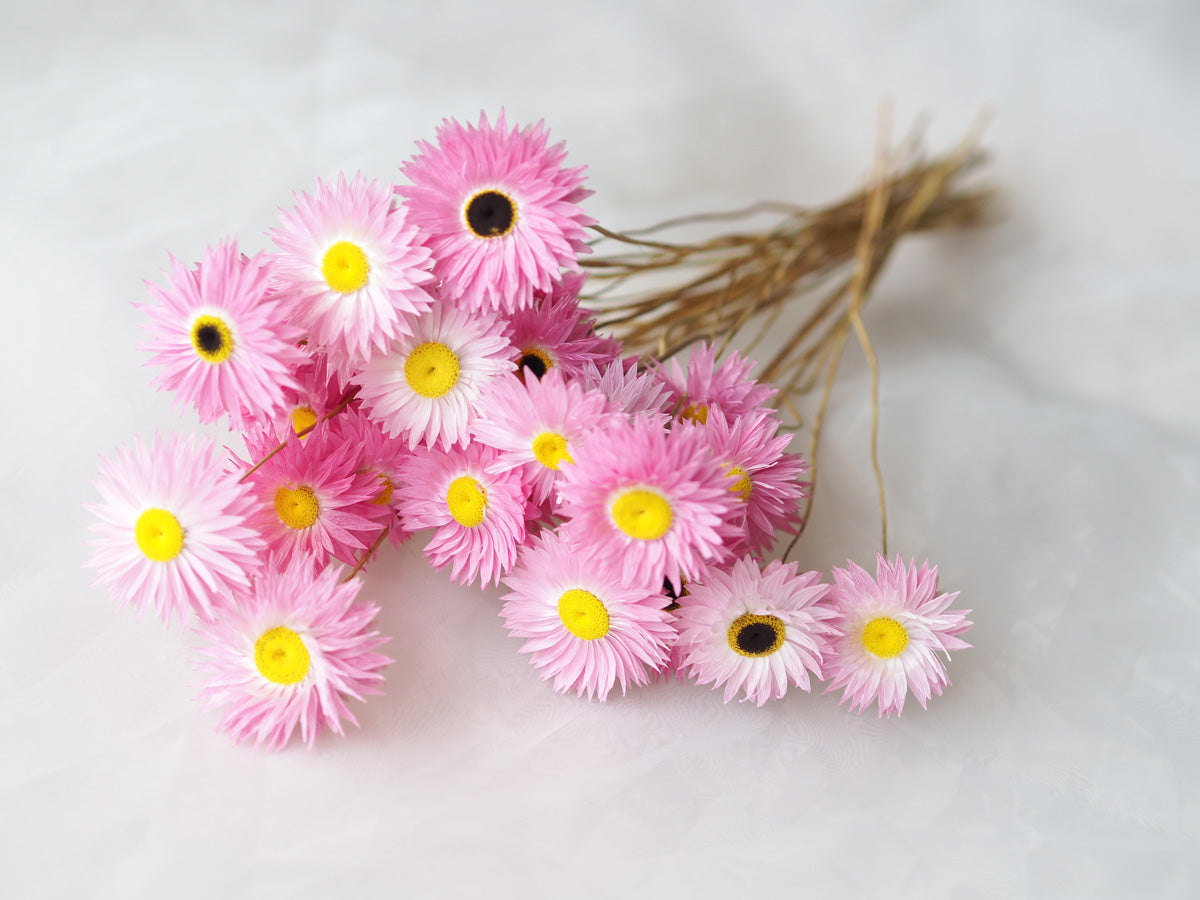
427, 386
656, 502
290, 657
705, 384
583, 625
351, 268
557, 333
754, 630
222, 338
478, 514
173, 530
890, 630
637, 394
498, 210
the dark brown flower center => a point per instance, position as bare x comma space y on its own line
491, 214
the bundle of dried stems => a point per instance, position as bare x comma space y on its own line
823, 261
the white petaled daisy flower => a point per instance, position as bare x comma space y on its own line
426, 387
351, 269
655, 501
173, 528
290, 657
478, 513
890, 630
583, 625
756, 631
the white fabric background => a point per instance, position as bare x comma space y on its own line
1041, 443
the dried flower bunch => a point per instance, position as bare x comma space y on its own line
416, 358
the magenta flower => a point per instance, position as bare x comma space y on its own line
498, 210
754, 631
706, 384
583, 625
173, 530
890, 630
290, 656
222, 339
557, 333
351, 268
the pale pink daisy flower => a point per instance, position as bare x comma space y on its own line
636, 393
499, 211
657, 502
890, 629
762, 474
753, 630
535, 423
479, 515
351, 268
313, 500
222, 338
557, 333
706, 384
291, 656
427, 386
173, 530
584, 626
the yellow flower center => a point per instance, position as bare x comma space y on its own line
297, 507
345, 267
885, 637
695, 412
303, 417
490, 214
741, 486
583, 614
212, 339
754, 636
159, 535
384, 497
642, 514
467, 500
551, 449
281, 656
431, 369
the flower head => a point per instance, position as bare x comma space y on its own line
755, 631
705, 384
478, 513
290, 657
655, 501
584, 626
557, 333
890, 629
173, 530
351, 268
221, 338
498, 210
427, 386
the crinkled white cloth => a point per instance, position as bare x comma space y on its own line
1040, 439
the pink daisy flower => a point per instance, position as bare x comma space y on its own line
556, 333
754, 631
173, 530
635, 393
318, 393
890, 630
536, 423
764, 477
381, 457
427, 386
584, 626
705, 384
478, 514
653, 501
498, 210
351, 268
222, 338
313, 499
291, 656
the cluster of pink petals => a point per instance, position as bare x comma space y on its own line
908, 595
407, 362
337, 634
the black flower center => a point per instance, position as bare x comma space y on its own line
208, 339
491, 214
534, 364
756, 638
